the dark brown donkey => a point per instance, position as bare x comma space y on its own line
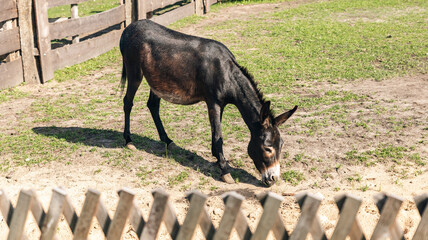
184, 69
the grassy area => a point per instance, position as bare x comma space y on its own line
85, 9
331, 40
290, 52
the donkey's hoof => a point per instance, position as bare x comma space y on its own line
131, 146
172, 147
227, 178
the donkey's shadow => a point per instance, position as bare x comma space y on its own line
113, 139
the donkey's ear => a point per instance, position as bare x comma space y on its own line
283, 117
264, 114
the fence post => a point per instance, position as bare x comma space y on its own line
75, 14
206, 6
128, 11
26, 39
43, 38
141, 9
199, 7
422, 205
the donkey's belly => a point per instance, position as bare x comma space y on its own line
177, 96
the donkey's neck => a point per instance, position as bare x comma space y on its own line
248, 102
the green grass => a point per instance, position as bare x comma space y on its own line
179, 178
384, 153
110, 58
85, 9
11, 94
293, 177
317, 42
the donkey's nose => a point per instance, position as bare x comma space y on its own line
269, 181
274, 178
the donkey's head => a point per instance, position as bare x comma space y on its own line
266, 143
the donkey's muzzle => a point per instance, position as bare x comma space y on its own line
271, 175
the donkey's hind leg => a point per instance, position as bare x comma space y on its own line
153, 104
134, 81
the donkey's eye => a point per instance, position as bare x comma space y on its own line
268, 149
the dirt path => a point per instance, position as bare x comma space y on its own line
410, 93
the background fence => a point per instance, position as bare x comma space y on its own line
162, 211
33, 46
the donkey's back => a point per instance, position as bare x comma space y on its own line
179, 68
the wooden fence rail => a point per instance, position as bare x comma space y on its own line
26, 60
233, 218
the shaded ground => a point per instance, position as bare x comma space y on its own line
374, 142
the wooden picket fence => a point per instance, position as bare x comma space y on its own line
162, 211
30, 42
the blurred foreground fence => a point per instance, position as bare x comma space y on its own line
162, 211
33, 46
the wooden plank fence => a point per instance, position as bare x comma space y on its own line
16, 48
26, 60
197, 214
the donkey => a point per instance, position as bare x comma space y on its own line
184, 69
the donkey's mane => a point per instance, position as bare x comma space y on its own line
254, 84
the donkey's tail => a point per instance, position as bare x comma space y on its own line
123, 78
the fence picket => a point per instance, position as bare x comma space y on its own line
90, 206
103, 218
122, 212
422, 204
19, 217
279, 230
387, 225
6, 207
51, 220
70, 214
37, 209
170, 221
196, 206
309, 204
347, 226
206, 225
271, 203
348, 208
233, 203
242, 228
157, 213
137, 221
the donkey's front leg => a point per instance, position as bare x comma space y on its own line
215, 112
